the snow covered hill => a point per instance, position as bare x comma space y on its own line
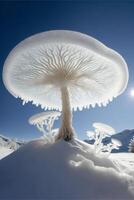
64, 171
124, 136
8, 145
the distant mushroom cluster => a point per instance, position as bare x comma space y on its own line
65, 71
102, 131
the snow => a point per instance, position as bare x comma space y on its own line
125, 159
63, 170
8, 145
5, 152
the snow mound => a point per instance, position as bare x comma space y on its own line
61, 171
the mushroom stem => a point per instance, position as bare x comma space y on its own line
66, 130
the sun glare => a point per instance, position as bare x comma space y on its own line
132, 92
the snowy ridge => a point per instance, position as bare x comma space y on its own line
6, 141
8, 145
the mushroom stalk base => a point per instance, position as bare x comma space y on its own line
66, 131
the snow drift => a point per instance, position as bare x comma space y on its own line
61, 171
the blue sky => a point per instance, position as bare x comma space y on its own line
111, 22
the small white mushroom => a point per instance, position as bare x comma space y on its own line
44, 122
116, 143
102, 130
64, 70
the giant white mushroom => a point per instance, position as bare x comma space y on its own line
64, 70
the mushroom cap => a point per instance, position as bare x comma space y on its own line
104, 128
40, 117
40, 65
116, 142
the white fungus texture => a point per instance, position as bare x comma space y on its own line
39, 66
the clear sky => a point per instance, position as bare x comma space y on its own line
111, 22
